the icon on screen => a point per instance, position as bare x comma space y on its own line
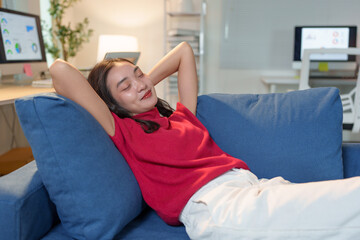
4, 21
17, 47
29, 28
34, 47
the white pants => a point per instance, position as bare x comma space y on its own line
237, 205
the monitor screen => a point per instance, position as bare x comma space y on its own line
20, 41
307, 37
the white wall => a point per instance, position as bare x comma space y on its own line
144, 21
226, 80
136, 18
139, 18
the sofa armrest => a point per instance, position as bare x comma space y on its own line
351, 159
25, 207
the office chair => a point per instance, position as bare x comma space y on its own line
351, 100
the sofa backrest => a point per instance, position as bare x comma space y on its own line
296, 135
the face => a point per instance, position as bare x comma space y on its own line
131, 88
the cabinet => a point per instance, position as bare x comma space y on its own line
184, 20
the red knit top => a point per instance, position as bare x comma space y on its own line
172, 163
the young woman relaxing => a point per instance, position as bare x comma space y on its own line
184, 176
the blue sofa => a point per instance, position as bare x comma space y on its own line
80, 187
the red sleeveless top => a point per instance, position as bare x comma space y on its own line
172, 163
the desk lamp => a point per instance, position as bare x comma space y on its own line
118, 46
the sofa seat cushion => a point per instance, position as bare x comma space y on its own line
148, 225
296, 135
87, 178
57, 233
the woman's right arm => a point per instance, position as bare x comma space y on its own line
70, 83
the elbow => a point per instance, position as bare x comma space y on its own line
57, 70
186, 45
187, 49
57, 66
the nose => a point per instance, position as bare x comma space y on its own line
140, 85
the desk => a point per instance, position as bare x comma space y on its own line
17, 156
8, 93
274, 82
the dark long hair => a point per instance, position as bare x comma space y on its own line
97, 79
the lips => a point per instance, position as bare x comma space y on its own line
147, 95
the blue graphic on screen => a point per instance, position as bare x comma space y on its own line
20, 37
35, 47
29, 28
18, 47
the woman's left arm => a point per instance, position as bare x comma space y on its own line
180, 59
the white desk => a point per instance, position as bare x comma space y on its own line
274, 82
8, 93
16, 156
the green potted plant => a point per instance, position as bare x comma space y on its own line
65, 40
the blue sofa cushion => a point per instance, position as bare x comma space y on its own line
87, 178
296, 135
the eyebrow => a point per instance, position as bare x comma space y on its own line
122, 80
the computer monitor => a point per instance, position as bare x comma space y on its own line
21, 43
307, 37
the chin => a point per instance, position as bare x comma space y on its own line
154, 96
155, 101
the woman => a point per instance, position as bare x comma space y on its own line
183, 175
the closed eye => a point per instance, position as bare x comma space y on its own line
126, 87
121, 82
